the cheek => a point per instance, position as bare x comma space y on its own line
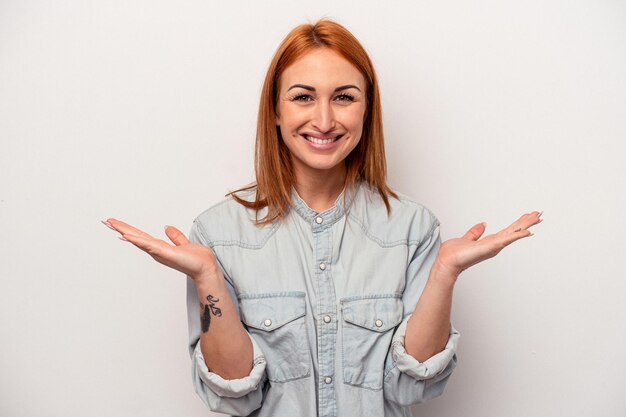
290, 117
355, 120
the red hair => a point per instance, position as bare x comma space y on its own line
273, 167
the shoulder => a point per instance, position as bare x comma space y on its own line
408, 222
230, 223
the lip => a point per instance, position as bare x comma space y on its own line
324, 146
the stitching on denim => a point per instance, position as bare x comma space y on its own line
343, 302
428, 237
377, 240
370, 296
298, 294
254, 330
392, 349
408, 242
308, 373
244, 245
386, 375
364, 386
201, 231
258, 360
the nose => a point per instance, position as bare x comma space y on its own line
323, 117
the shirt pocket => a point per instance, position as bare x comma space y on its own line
367, 329
277, 323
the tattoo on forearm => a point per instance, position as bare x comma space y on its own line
209, 308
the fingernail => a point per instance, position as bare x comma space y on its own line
107, 224
166, 226
122, 238
531, 234
540, 213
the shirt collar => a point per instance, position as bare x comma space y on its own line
328, 216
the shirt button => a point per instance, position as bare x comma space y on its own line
328, 380
267, 322
326, 319
319, 220
322, 266
379, 323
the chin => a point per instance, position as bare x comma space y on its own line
324, 167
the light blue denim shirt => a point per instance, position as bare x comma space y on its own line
325, 298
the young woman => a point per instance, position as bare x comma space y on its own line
318, 291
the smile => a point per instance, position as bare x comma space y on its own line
321, 141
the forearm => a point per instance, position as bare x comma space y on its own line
429, 326
224, 343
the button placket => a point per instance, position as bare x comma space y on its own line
325, 309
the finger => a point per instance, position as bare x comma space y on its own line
524, 222
176, 236
475, 232
107, 224
124, 228
150, 245
507, 239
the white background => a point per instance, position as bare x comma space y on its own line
146, 110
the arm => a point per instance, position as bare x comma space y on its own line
218, 339
225, 344
427, 331
424, 346
408, 380
428, 328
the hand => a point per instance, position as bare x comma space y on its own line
189, 258
456, 255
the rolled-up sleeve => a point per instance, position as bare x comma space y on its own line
431, 367
408, 381
237, 397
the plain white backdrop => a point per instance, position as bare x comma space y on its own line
146, 111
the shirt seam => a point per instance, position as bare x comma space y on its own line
213, 243
398, 242
428, 236
375, 239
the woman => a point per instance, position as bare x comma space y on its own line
303, 288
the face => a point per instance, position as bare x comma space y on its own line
321, 108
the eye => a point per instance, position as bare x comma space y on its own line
344, 97
302, 98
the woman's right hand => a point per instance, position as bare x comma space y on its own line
191, 259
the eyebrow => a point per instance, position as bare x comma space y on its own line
310, 88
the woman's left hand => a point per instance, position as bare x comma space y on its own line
456, 255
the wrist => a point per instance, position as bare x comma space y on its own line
208, 282
443, 275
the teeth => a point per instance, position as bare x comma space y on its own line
320, 141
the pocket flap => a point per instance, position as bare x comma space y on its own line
377, 314
270, 311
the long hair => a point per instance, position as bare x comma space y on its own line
273, 166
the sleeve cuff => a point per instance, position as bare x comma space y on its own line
232, 388
432, 366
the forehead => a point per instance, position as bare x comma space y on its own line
321, 67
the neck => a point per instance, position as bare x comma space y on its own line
320, 190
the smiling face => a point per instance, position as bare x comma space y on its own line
321, 107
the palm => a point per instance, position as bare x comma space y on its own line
458, 254
187, 257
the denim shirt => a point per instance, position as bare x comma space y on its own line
325, 298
